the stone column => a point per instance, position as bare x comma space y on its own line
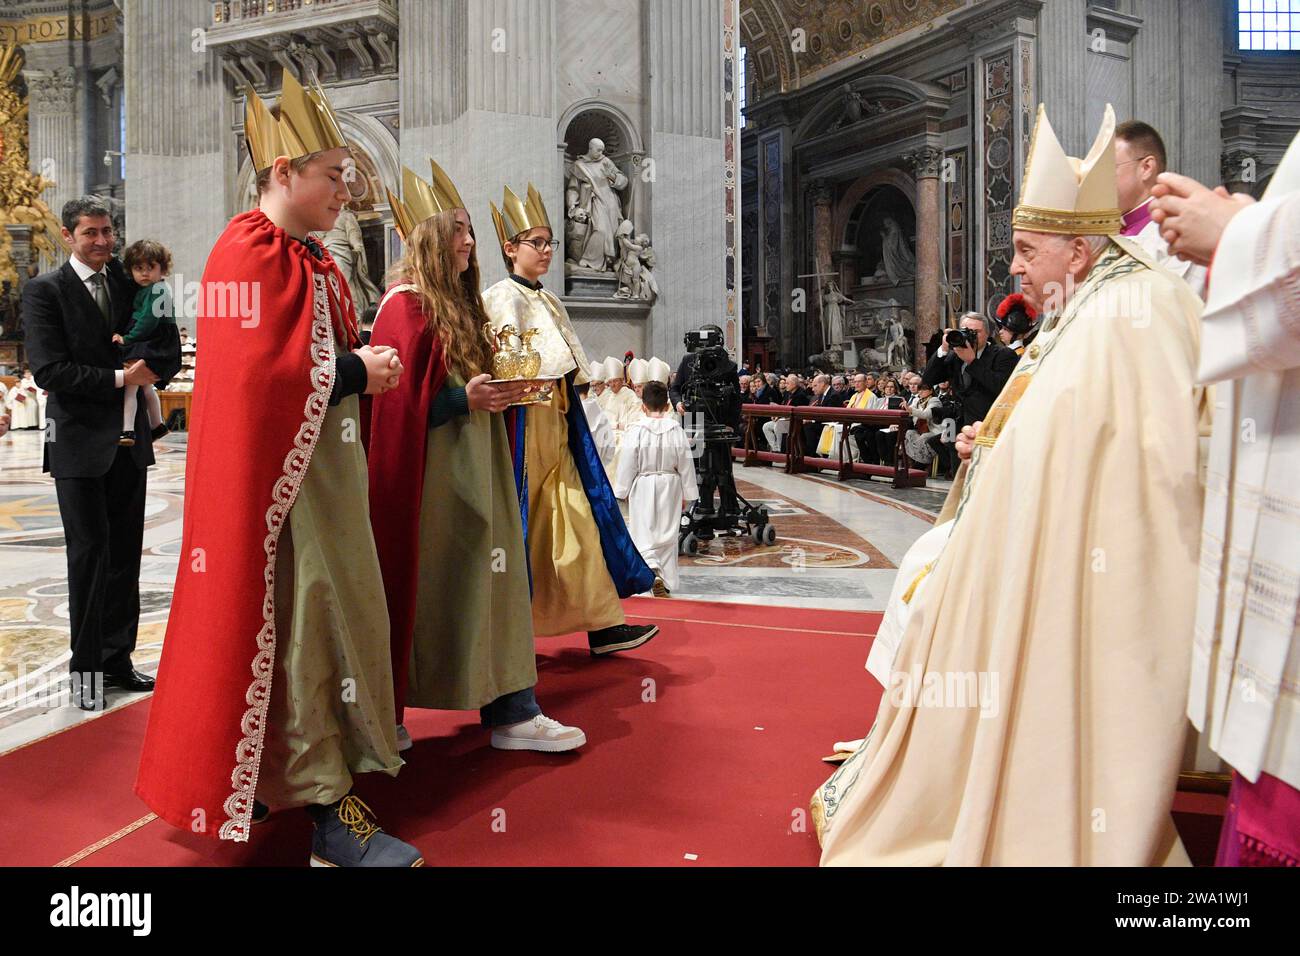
929, 234
181, 157
54, 140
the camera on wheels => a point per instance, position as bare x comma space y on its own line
711, 400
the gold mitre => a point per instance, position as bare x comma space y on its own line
424, 200
307, 124
1065, 195
517, 216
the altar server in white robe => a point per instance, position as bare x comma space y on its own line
1245, 678
656, 476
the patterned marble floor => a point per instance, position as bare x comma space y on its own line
838, 546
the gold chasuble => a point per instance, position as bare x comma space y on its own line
572, 589
1034, 714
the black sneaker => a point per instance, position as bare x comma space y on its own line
620, 637
347, 835
126, 439
160, 432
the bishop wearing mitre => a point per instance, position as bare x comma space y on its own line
1034, 708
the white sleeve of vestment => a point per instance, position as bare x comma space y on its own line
1252, 322
628, 466
686, 466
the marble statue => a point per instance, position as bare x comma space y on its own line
897, 258
833, 303
896, 351
345, 244
649, 284
593, 209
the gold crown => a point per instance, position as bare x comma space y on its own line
517, 216
307, 124
1061, 194
424, 200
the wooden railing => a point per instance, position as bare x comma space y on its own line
796, 458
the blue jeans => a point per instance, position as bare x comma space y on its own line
512, 708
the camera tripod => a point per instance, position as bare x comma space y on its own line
734, 515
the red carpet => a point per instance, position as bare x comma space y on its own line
686, 773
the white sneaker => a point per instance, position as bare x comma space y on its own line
539, 733
403, 739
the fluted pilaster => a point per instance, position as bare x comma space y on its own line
510, 65
1063, 52
165, 117
684, 39
432, 45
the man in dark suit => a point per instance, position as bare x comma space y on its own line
822, 397
977, 372
70, 316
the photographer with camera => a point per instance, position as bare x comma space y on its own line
976, 367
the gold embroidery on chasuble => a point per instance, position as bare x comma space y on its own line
1001, 411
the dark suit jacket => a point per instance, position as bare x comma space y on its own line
988, 374
72, 356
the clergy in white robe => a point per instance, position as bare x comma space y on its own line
601, 433
1245, 678
24, 404
656, 476
1035, 708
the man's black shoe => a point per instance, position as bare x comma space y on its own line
131, 680
620, 637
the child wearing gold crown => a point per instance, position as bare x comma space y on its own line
442, 490
581, 556
275, 677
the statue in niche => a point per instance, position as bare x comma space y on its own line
345, 244
593, 210
833, 305
897, 261
648, 281
635, 261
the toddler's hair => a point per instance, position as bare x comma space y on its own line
148, 252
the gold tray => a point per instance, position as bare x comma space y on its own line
540, 388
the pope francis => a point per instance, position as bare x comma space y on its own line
1034, 708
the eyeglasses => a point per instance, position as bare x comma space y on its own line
1138, 160
540, 244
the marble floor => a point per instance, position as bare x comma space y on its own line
838, 546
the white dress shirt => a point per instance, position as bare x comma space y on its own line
84, 272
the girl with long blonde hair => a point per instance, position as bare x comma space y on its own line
444, 508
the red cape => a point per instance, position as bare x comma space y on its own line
398, 436
260, 393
